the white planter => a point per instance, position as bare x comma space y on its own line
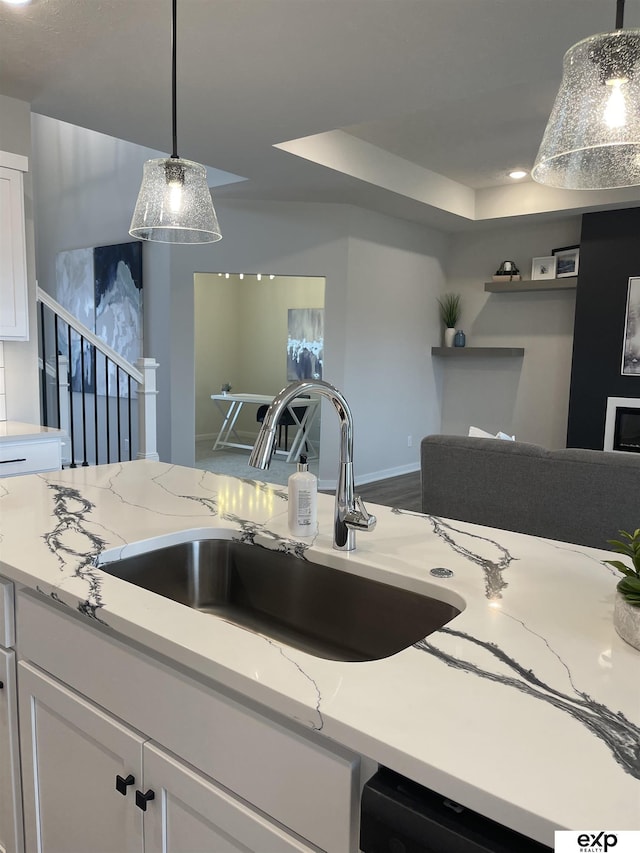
449, 335
626, 621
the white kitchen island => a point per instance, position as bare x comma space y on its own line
525, 707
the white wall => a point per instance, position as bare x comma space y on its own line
21, 357
527, 396
395, 273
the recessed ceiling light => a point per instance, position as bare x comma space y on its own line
17, 2
516, 174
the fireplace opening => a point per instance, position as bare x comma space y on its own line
626, 434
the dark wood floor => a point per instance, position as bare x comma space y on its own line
402, 492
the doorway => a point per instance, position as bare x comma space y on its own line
255, 334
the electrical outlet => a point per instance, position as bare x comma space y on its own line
409, 441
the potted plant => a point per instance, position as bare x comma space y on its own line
449, 314
626, 613
225, 388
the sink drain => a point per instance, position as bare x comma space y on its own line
441, 572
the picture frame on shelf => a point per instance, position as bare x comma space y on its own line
543, 268
567, 261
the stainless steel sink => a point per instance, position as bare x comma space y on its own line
323, 611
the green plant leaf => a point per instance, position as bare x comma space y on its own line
630, 588
625, 570
620, 546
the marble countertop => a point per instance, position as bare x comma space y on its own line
525, 707
12, 430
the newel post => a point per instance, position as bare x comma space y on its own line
64, 406
147, 427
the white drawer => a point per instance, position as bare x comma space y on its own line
29, 457
7, 625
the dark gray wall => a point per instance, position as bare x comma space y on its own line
609, 255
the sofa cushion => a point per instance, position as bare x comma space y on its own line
575, 495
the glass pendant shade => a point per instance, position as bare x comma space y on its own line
174, 204
592, 140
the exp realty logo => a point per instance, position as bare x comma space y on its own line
601, 841
591, 842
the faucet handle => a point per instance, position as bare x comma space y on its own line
358, 518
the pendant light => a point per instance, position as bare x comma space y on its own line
174, 204
592, 140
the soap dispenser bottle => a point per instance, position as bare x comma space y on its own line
303, 500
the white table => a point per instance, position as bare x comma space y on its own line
230, 405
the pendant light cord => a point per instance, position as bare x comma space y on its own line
619, 14
174, 112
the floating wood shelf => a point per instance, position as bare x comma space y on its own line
469, 352
522, 286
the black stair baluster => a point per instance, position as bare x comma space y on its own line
57, 351
129, 425
118, 412
95, 396
43, 345
71, 408
84, 412
106, 405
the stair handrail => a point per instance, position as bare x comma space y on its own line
88, 335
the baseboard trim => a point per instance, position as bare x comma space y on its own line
373, 476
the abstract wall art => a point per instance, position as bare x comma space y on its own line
631, 344
101, 287
305, 343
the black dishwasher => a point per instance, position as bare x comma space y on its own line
400, 816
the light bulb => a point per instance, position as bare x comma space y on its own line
241, 276
615, 112
259, 276
175, 197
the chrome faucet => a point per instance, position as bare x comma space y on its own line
350, 512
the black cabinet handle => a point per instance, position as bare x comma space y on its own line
122, 784
1, 684
143, 799
7, 461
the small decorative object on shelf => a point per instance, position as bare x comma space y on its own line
507, 271
626, 612
460, 339
225, 388
449, 314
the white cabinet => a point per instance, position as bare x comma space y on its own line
30, 456
14, 313
190, 813
71, 754
92, 782
224, 774
11, 840
10, 791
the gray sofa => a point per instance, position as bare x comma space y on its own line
581, 496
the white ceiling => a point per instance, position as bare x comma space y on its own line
434, 100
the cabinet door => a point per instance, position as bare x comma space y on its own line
191, 814
10, 791
14, 318
72, 752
